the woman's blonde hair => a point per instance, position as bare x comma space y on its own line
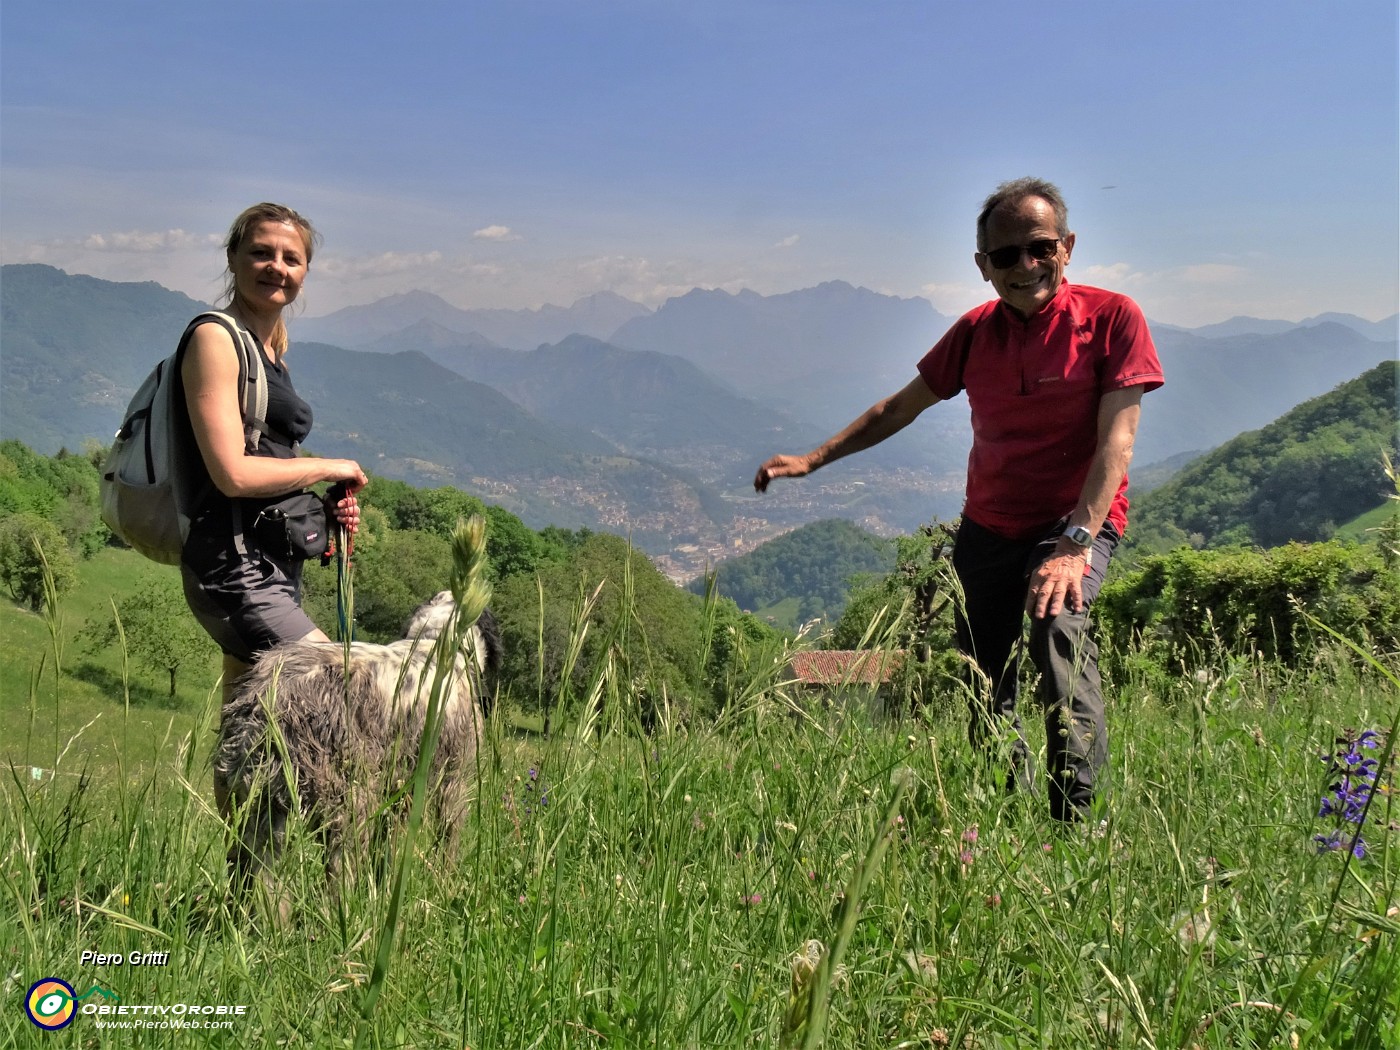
249, 220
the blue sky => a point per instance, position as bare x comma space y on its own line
1219, 158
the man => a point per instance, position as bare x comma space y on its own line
1054, 374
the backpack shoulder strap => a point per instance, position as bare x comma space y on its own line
252, 382
252, 397
252, 378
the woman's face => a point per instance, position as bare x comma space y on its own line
269, 266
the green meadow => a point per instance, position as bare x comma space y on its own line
794, 872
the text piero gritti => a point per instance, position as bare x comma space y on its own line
134, 958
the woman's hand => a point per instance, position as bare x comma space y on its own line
341, 503
346, 473
347, 513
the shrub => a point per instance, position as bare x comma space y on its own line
1181, 605
27, 543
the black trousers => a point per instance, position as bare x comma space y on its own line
994, 573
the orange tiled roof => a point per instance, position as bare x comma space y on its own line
845, 666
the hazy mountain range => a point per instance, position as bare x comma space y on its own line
355, 327
1382, 331
610, 415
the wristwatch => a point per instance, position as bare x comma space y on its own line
1079, 536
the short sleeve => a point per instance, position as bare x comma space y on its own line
1132, 356
942, 367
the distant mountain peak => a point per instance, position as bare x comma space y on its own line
698, 294
606, 298
577, 341
416, 295
430, 334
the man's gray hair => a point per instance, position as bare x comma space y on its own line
1016, 190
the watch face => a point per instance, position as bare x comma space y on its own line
1080, 536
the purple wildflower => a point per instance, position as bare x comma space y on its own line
1356, 779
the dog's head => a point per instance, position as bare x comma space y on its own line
433, 616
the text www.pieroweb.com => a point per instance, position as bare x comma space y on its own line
203, 1024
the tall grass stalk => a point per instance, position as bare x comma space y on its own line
814, 1023
53, 624
471, 593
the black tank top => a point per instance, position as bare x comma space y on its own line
287, 414
289, 417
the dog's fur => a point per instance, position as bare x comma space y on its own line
344, 751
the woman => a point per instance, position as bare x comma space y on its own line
250, 600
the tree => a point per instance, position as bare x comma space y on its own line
28, 545
401, 571
426, 510
156, 627
514, 548
62, 489
922, 585
1316, 466
648, 627
813, 564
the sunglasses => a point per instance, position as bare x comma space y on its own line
1005, 258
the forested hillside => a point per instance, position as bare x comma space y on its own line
401, 558
76, 348
1298, 478
813, 564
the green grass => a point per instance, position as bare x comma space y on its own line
127, 718
1363, 527
619, 890
782, 615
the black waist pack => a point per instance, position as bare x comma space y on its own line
293, 528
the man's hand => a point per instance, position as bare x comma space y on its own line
872, 426
782, 467
1056, 583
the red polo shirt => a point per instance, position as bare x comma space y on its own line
1034, 388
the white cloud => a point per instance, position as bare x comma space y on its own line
1117, 276
149, 241
955, 298
143, 241
496, 233
355, 267
176, 259
788, 242
1190, 294
649, 282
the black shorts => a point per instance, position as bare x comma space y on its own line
247, 603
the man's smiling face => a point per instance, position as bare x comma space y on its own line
1029, 284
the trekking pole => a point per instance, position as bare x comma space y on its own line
342, 549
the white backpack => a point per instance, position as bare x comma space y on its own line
154, 474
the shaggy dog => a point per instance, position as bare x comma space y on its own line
338, 753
